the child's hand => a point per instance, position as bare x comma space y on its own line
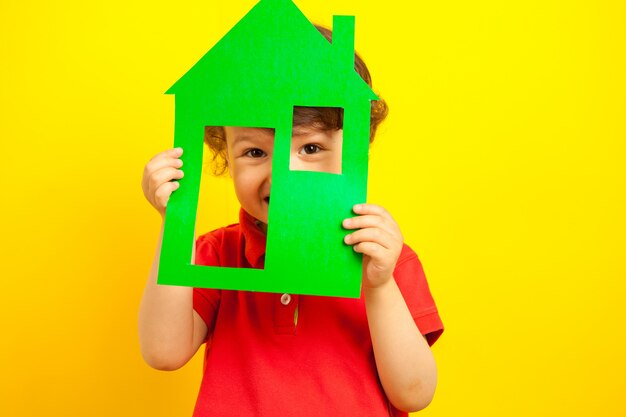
158, 178
378, 239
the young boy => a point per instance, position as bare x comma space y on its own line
285, 354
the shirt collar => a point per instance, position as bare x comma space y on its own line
254, 239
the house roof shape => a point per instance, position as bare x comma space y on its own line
275, 51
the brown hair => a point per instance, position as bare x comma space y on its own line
323, 118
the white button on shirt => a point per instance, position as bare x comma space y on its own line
285, 299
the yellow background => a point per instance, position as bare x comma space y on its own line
502, 160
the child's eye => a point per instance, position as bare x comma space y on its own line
255, 153
310, 148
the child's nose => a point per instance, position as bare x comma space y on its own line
268, 174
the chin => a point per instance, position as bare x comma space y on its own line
260, 216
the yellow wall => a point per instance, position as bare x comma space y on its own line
502, 160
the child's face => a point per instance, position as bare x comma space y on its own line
250, 161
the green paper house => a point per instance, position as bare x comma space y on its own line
269, 62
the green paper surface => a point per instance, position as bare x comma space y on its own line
269, 62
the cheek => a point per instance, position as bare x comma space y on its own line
245, 182
240, 183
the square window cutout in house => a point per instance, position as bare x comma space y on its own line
225, 189
317, 139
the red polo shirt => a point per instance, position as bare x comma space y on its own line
292, 355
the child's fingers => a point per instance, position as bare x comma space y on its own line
373, 221
165, 159
160, 164
373, 235
372, 212
173, 153
170, 157
168, 153
369, 220
372, 209
162, 176
367, 248
381, 256
163, 193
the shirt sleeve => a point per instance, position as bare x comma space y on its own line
411, 280
206, 301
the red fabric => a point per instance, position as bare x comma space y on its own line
259, 362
